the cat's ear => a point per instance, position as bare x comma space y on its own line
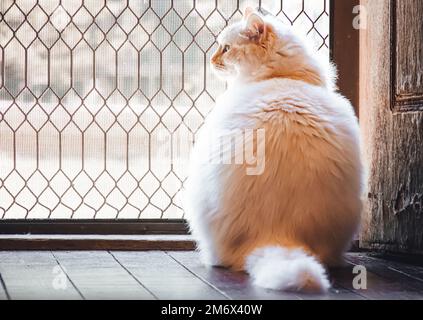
255, 27
247, 12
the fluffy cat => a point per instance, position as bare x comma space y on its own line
300, 212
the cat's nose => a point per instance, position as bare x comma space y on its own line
213, 59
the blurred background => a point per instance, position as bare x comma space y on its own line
97, 100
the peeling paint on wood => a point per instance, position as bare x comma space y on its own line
393, 138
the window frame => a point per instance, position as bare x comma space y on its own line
343, 39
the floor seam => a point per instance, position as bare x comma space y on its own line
132, 275
67, 276
3, 284
199, 277
405, 274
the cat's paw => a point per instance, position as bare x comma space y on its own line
209, 259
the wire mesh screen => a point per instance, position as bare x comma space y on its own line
94, 95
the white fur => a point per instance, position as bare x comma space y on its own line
304, 209
278, 268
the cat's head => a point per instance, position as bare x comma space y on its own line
261, 47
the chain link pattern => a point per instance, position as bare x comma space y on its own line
93, 92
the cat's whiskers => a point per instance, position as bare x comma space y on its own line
220, 67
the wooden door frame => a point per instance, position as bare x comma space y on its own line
345, 48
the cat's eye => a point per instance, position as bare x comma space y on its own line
226, 48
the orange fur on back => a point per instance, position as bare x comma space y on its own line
302, 205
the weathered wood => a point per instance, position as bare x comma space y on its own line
164, 277
393, 141
98, 275
35, 275
96, 242
408, 54
179, 275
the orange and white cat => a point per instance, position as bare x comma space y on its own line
300, 211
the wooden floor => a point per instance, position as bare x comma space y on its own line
179, 275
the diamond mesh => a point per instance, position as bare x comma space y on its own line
93, 92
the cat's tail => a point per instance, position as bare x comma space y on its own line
280, 268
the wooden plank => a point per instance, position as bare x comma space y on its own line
96, 242
239, 286
35, 275
98, 275
236, 285
341, 286
3, 293
103, 242
342, 280
383, 282
164, 277
410, 266
95, 226
409, 275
